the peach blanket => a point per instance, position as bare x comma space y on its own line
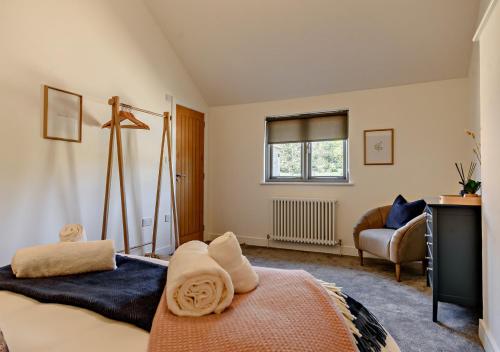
289, 311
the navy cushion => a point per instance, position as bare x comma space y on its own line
403, 211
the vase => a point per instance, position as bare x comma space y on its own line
469, 195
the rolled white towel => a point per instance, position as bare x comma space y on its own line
226, 251
64, 258
72, 233
196, 284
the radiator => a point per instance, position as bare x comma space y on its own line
304, 221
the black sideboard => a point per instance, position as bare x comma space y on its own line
454, 255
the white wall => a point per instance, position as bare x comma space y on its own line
429, 121
98, 49
474, 68
490, 128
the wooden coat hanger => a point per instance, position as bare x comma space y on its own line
127, 115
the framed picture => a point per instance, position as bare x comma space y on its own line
379, 147
62, 115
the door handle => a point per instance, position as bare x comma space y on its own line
178, 176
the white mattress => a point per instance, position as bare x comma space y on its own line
29, 326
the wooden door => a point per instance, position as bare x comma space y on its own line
190, 136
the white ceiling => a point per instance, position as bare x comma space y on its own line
241, 51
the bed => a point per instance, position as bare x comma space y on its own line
29, 325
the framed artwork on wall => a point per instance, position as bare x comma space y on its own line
62, 115
379, 147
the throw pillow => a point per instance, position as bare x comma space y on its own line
403, 211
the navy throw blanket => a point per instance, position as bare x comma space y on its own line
131, 293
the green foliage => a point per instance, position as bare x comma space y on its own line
327, 159
287, 158
471, 187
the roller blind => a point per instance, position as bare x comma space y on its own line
307, 127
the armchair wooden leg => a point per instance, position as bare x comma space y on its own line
398, 272
360, 252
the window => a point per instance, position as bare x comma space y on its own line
307, 148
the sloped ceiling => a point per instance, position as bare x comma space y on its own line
242, 51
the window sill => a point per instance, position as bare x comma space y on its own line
297, 183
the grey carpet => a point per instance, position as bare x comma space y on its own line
404, 308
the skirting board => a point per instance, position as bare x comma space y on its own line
165, 250
486, 338
263, 242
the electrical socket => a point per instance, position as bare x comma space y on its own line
147, 222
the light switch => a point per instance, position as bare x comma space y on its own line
167, 218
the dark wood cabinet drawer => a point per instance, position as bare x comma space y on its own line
429, 228
429, 221
453, 253
429, 251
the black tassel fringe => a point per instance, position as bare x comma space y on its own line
374, 336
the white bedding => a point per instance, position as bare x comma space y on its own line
29, 326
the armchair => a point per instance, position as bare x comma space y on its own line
406, 244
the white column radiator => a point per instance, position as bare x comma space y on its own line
304, 221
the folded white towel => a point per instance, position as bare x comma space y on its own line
196, 284
72, 233
64, 258
226, 251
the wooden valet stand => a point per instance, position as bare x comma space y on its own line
120, 113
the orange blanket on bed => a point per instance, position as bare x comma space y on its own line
288, 311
